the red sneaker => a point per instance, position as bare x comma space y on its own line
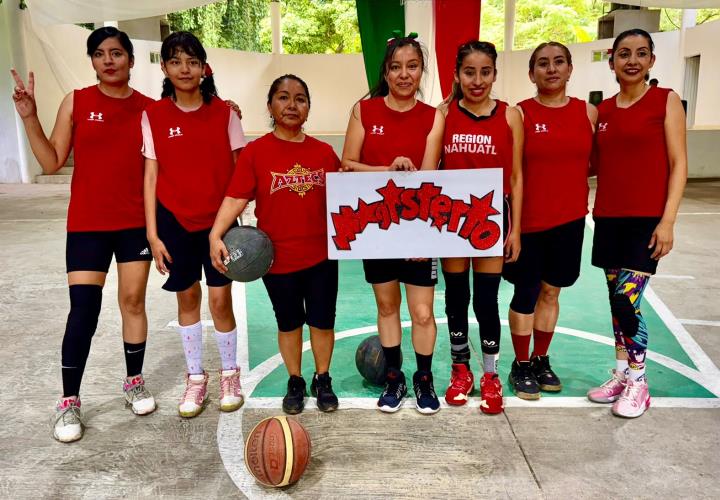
461, 385
491, 398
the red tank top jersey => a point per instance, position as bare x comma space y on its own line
107, 181
287, 180
390, 133
631, 156
470, 141
195, 159
556, 159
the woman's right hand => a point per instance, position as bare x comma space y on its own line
23, 96
218, 254
160, 254
402, 163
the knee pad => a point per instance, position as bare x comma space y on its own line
524, 298
485, 293
624, 312
85, 303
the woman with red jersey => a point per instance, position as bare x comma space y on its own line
101, 221
641, 161
190, 141
472, 113
392, 130
556, 158
302, 283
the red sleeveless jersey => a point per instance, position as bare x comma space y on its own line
195, 159
390, 133
107, 182
556, 159
471, 141
631, 156
287, 181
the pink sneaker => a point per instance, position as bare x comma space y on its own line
634, 400
231, 396
610, 390
195, 395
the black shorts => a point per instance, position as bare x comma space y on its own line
410, 272
305, 296
622, 243
552, 256
94, 250
190, 252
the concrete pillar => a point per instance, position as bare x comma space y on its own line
276, 27
509, 25
689, 19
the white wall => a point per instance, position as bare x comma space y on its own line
704, 40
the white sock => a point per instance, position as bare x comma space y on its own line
191, 336
227, 345
621, 366
490, 363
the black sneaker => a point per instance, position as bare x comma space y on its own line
545, 376
294, 400
426, 400
321, 388
395, 390
522, 381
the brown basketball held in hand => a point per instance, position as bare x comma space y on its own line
277, 451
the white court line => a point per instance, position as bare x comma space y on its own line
701, 322
698, 213
33, 220
673, 277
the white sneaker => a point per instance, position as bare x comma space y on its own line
231, 396
68, 424
137, 396
195, 395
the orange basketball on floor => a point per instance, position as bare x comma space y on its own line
277, 451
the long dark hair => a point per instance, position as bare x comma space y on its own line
632, 32
382, 88
183, 41
101, 34
465, 50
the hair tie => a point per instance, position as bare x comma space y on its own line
397, 35
208, 71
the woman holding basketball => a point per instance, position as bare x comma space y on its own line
190, 141
641, 160
471, 112
284, 172
556, 158
105, 215
392, 130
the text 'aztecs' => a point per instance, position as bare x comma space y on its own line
424, 203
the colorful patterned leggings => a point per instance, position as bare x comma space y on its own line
625, 289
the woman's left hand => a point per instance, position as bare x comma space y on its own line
233, 105
512, 247
662, 240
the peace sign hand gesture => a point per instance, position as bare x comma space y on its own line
23, 96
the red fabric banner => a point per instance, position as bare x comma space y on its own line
456, 22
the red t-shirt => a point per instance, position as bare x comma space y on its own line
556, 159
195, 159
107, 182
390, 133
631, 157
471, 141
287, 181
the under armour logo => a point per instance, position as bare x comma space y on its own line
377, 130
602, 126
540, 127
95, 117
175, 132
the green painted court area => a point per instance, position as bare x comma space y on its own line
579, 362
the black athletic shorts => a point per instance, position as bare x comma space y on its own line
305, 296
552, 256
410, 272
190, 252
94, 250
622, 243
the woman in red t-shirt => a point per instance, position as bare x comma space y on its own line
471, 112
101, 124
284, 172
392, 130
641, 161
190, 141
556, 160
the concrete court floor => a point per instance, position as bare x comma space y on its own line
526, 453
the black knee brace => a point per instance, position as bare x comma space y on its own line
624, 312
524, 298
85, 302
457, 300
485, 305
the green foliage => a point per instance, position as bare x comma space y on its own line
670, 19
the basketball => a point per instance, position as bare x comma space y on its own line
277, 451
250, 253
370, 360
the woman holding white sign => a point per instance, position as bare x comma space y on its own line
392, 130
558, 143
480, 132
